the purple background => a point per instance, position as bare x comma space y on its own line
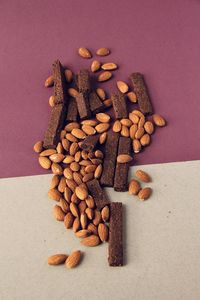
157, 38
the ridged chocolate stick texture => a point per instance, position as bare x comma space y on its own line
98, 194
82, 99
60, 83
90, 142
95, 102
119, 105
72, 111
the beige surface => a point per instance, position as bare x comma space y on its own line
162, 243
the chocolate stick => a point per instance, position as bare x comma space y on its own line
82, 99
96, 104
141, 92
115, 244
119, 105
60, 84
72, 111
90, 142
99, 195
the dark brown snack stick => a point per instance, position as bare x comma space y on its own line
90, 142
72, 111
119, 105
115, 244
60, 84
83, 106
141, 92
98, 194
110, 156
56, 123
121, 171
96, 105
83, 80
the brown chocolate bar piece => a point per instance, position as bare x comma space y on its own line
141, 92
110, 155
72, 111
99, 195
83, 106
119, 105
60, 84
121, 171
83, 80
115, 244
96, 105
56, 123
90, 142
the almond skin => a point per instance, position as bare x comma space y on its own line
124, 158
109, 66
84, 52
57, 259
89, 130
72, 125
64, 205
133, 130
104, 76
62, 185
149, 127
44, 162
68, 220
82, 233
143, 176
76, 225
68, 75
56, 169
102, 127
122, 86
81, 192
90, 202
159, 120
89, 122
82, 207
117, 126
134, 187
93, 229
49, 81
59, 148
91, 241
126, 122
102, 117
73, 259
145, 193
125, 131
54, 194
68, 173
101, 93
136, 146
103, 232
103, 138
54, 181
103, 51
74, 209
57, 158
52, 101
58, 213
95, 66
98, 171
83, 220
141, 122
139, 133
47, 152
78, 133
134, 118
145, 140
132, 97
138, 113
38, 147
97, 217
105, 213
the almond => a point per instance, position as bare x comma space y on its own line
102, 127
64, 205
82, 207
105, 213
132, 97
90, 202
44, 162
134, 187
90, 168
136, 146
145, 139
74, 209
73, 148
95, 66
85, 162
62, 134
38, 147
57, 259
59, 148
54, 194
108, 102
134, 118
73, 259
74, 166
68, 75
159, 120
145, 193
143, 176
91, 241
70, 137
122, 86
117, 126
139, 133
96, 161
74, 199
77, 156
78, 133
109, 66
81, 192
68, 159
84, 52
125, 131
56, 169
90, 213
76, 225
103, 51
91, 155
83, 220
138, 113
67, 194
69, 127
124, 158
68, 173
97, 217
48, 152
103, 118
78, 178
93, 229
58, 157
68, 220
72, 92
71, 184
54, 181
103, 232
98, 154
89, 130
49, 81
126, 122
62, 184
101, 93
89, 122
65, 144
104, 76
58, 213
84, 154
98, 172
141, 122
82, 233
87, 177
133, 130
149, 127
102, 138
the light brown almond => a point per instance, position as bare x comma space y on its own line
65, 144
145, 193
77, 156
78, 133
132, 97
74, 209
143, 176
103, 118
89, 130
98, 154
82, 233
68, 75
109, 66
56, 169
67, 194
134, 118
68, 159
92, 228
58, 213
126, 122
138, 113
122, 86
81, 192
78, 178
58, 157
54, 194
82, 207
98, 172
74, 166
102, 127
73, 259
84, 154
68, 173
57, 259
74, 199
49, 81
54, 181
117, 126
68, 220
145, 139
105, 213
70, 137
73, 148
87, 177
44, 162
133, 130
64, 205
72, 92
91, 241
76, 225
59, 148
38, 147
125, 131
96, 161
149, 127
84, 52
71, 184
62, 184
103, 51
72, 125
134, 187
107, 102
102, 138
90, 202
62, 134
90, 168
124, 158
90, 213
83, 220
85, 162
48, 152
89, 122
101, 93
97, 217
159, 120
104, 76
139, 133
103, 232
95, 66
141, 122
136, 146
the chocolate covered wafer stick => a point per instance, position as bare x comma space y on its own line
90, 142
60, 84
119, 105
95, 102
72, 111
98, 194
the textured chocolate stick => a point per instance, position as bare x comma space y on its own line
90, 142
83, 80
72, 111
96, 105
110, 155
83, 106
141, 92
82, 99
115, 244
98, 194
60, 84
119, 105
121, 171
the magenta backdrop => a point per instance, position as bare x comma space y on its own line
158, 38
